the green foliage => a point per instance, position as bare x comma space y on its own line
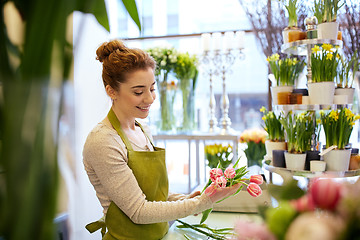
299, 129
273, 126
218, 154
286, 71
338, 125
32, 77
255, 153
324, 63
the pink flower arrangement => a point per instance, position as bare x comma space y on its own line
220, 179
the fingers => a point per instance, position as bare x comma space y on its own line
194, 194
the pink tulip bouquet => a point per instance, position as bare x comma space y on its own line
222, 178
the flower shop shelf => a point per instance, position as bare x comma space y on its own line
302, 47
308, 174
310, 107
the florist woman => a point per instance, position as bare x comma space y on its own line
127, 171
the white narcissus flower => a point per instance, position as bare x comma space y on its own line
163, 63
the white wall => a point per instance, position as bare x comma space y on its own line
91, 106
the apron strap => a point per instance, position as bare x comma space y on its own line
116, 124
94, 226
145, 133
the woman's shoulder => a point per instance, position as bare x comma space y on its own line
100, 136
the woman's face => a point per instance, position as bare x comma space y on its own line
135, 96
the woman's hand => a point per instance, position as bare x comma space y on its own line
194, 194
217, 194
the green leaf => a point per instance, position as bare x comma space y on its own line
130, 6
99, 11
289, 190
205, 215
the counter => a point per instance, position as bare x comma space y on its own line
215, 220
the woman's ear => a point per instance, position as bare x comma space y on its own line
110, 92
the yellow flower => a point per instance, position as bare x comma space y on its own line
318, 121
334, 115
327, 47
357, 117
315, 49
263, 109
329, 56
273, 57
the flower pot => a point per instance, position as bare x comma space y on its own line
278, 158
310, 156
321, 92
277, 89
270, 146
291, 34
295, 161
337, 160
349, 92
317, 166
328, 30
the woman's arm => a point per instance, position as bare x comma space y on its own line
105, 155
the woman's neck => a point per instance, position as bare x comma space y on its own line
125, 122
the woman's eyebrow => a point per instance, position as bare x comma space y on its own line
142, 86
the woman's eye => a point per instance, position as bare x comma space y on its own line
138, 93
152, 90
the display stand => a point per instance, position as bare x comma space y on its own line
304, 48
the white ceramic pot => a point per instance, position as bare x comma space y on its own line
328, 30
349, 92
321, 92
270, 146
295, 161
337, 160
277, 89
317, 166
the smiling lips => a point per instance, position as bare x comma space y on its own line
144, 108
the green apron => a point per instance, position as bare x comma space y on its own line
150, 172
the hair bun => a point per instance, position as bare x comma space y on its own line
107, 48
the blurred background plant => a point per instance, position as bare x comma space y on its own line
166, 59
33, 71
186, 71
255, 140
218, 153
307, 214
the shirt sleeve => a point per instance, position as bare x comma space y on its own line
105, 160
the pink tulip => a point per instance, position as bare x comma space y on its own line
211, 190
215, 173
303, 204
254, 190
325, 193
258, 179
229, 173
221, 182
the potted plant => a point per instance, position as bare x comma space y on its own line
324, 64
275, 139
285, 72
292, 32
299, 129
338, 125
326, 13
186, 72
345, 78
